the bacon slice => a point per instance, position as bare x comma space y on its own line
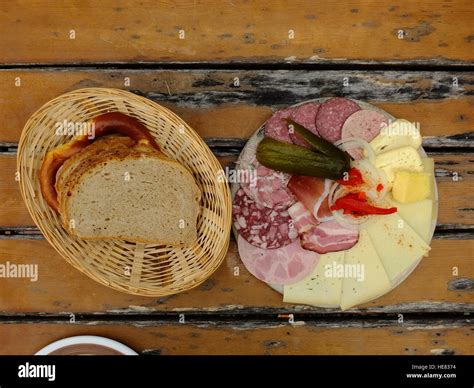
302, 219
329, 236
322, 237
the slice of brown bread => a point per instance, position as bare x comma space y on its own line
78, 161
90, 157
137, 195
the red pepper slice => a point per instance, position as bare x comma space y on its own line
379, 187
352, 204
353, 178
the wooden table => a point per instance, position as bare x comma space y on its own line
224, 67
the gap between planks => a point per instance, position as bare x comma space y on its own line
428, 65
251, 321
442, 232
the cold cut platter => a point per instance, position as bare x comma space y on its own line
335, 202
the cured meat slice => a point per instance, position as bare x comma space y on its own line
364, 124
322, 237
324, 213
329, 236
276, 126
261, 226
302, 219
331, 117
265, 186
286, 265
304, 115
313, 193
268, 187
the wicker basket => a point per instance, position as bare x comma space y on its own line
136, 268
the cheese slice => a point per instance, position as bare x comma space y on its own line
404, 158
397, 244
374, 282
398, 134
321, 287
419, 215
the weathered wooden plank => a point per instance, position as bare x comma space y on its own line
175, 339
212, 104
62, 289
454, 176
214, 31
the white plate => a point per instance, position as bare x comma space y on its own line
72, 345
259, 134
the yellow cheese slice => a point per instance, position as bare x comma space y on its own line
374, 282
404, 158
320, 288
419, 215
397, 244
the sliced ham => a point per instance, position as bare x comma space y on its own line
313, 193
286, 265
329, 236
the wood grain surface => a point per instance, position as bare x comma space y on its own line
224, 67
60, 288
236, 31
217, 338
211, 103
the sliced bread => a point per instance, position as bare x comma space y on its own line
79, 161
92, 155
137, 194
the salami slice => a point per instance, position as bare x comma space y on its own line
331, 117
263, 227
286, 265
276, 126
304, 115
